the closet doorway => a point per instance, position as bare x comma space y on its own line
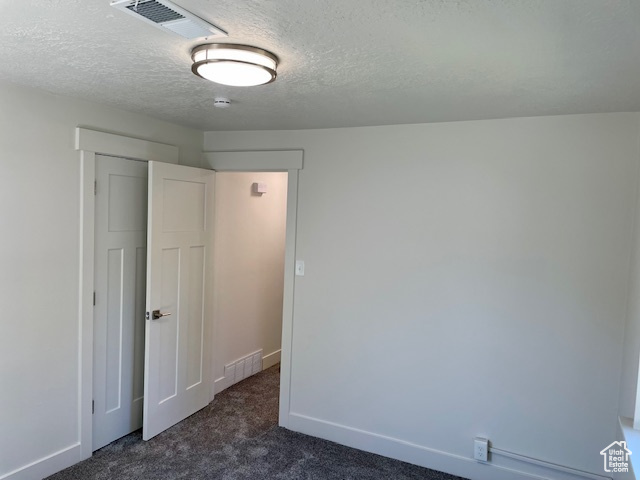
163, 308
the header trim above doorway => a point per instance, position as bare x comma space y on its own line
126, 147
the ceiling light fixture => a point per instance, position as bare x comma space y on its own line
235, 65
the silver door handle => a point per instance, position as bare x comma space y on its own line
155, 315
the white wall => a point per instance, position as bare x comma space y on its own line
462, 279
629, 380
39, 221
249, 273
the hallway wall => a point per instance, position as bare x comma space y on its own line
249, 259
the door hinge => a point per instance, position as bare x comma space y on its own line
94, 299
95, 187
93, 407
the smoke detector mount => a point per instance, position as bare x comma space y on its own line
221, 102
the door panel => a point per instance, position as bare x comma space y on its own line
167, 339
177, 350
195, 330
120, 277
114, 325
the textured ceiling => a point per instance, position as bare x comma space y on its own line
342, 62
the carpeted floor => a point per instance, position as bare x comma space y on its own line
237, 437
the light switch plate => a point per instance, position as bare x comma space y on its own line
300, 268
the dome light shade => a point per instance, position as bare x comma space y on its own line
235, 65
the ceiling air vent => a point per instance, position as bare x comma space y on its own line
169, 16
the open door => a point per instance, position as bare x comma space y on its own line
177, 376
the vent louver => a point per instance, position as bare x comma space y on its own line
154, 11
169, 16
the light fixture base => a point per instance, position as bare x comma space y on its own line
234, 65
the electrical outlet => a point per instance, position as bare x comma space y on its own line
481, 449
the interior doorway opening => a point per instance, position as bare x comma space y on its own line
250, 239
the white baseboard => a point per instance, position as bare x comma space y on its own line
46, 466
272, 359
221, 384
465, 467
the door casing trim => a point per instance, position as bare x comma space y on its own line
290, 161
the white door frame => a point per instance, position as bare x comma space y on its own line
91, 142
289, 161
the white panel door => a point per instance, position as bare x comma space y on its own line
120, 276
177, 380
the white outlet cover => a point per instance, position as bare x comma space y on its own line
480, 449
300, 268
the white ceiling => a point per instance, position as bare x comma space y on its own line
342, 62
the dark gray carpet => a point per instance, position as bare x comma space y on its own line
236, 437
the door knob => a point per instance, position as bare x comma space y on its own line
155, 315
